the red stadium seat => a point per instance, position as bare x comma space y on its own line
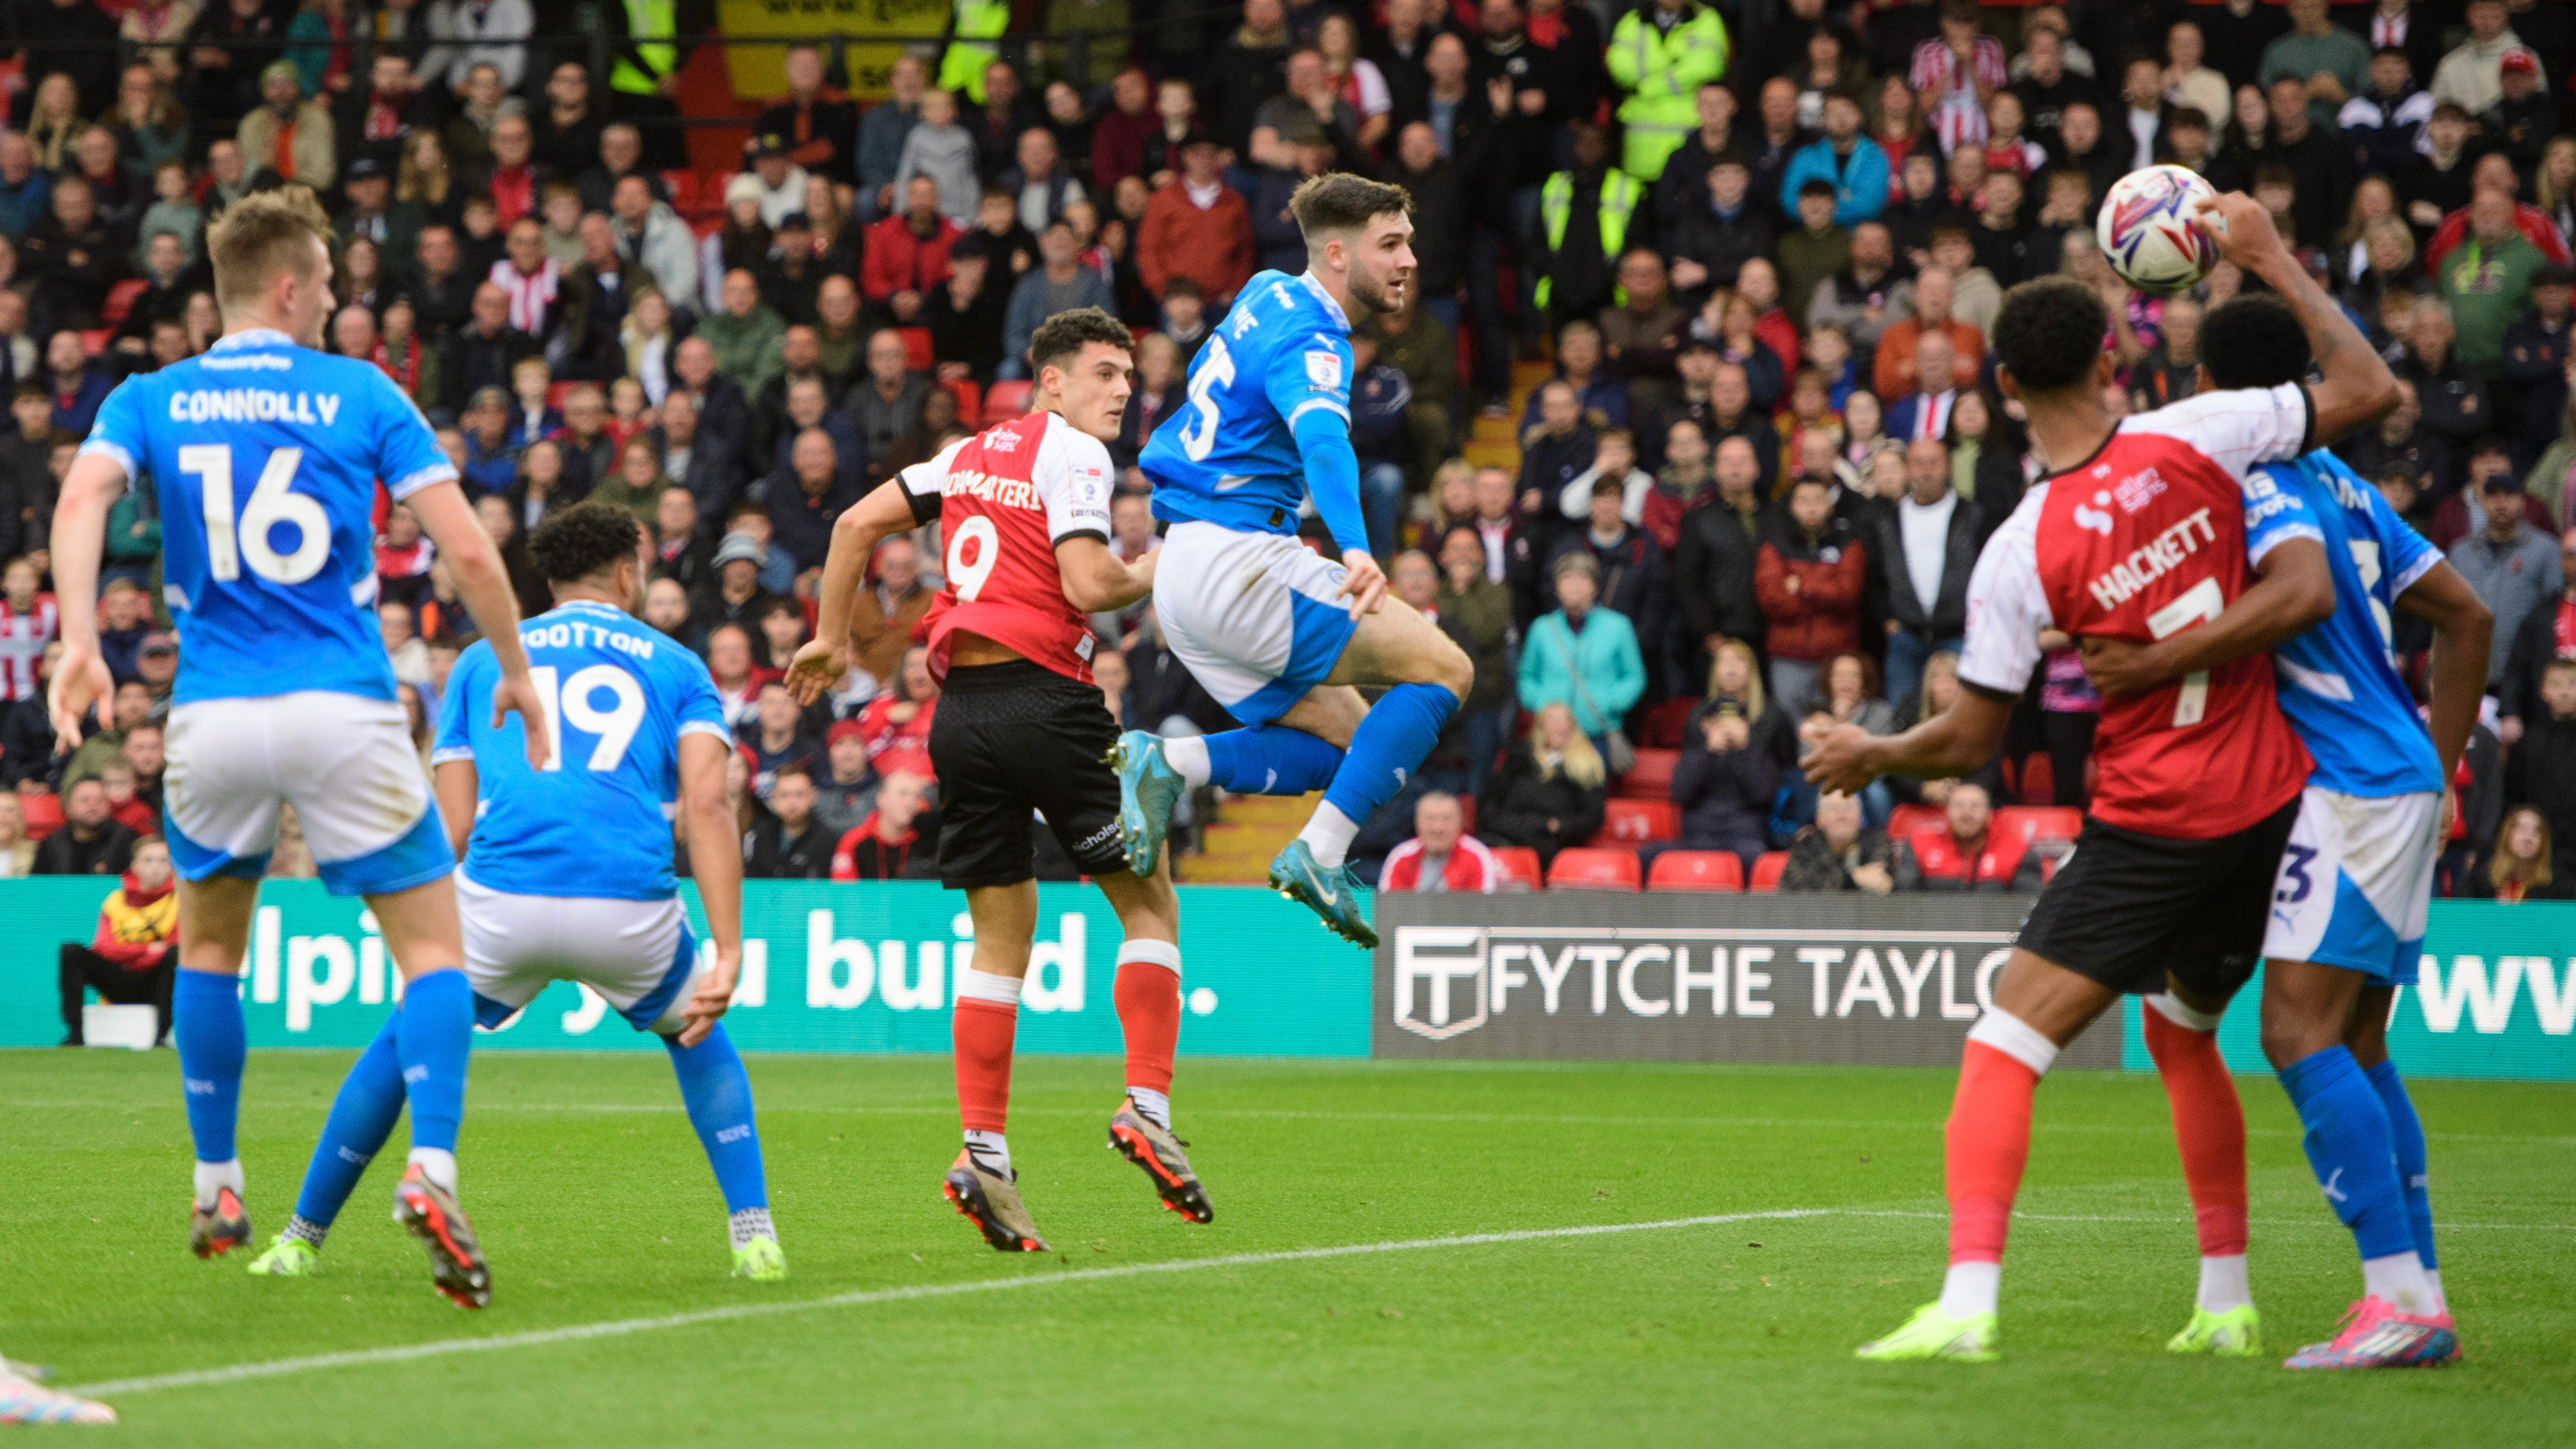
1766, 871
120, 300
43, 813
2038, 782
557, 392
1696, 870
1519, 863
1904, 820
916, 348
683, 186
94, 340
1584, 869
2041, 822
1008, 399
1666, 721
1630, 822
970, 403
1652, 778
1467, 811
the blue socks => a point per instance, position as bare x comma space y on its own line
2406, 1134
362, 1117
433, 1036
206, 1022
1270, 761
718, 1095
1390, 744
2348, 1146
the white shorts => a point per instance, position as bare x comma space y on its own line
637, 954
2356, 883
1256, 616
345, 763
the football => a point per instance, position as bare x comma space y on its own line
2146, 231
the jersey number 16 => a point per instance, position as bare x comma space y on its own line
229, 547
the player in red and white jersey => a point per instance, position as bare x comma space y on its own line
1022, 731
2141, 537
28, 622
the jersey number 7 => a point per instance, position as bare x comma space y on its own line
2201, 603
271, 503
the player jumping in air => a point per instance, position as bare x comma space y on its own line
567, 873
1278, 634
1024, 507
265, 455
2349, 907
2138, 532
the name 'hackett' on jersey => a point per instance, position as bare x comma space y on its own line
1004, 499
1228, 455
2142, 540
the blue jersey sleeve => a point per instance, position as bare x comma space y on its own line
2404, 554
700, 711
1310, 385
2276, 511
408, 457
455, 738
118, 431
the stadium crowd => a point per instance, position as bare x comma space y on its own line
1755, 249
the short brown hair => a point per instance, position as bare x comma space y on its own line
1339, 201
1066, 333
261, 235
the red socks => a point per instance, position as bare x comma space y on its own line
1987, 1140
1148, 996
987, 1015
2209, 1126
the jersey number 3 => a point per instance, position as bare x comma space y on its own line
615, 726
229, 547
1198, 437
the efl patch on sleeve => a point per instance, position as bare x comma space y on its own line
1324, 370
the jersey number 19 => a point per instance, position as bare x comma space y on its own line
615, 726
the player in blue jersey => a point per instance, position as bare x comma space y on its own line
2350, 902
1280, 635
567, 876
265, 455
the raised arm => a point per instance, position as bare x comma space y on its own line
1957, 741
2355, 386
2462, 628
886, 510
2294, 594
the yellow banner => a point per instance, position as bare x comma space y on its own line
759, 71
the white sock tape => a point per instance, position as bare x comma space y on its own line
984, 986
1151, 952
2172, 1008
2016, 1039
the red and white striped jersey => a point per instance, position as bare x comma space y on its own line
24, 633
1004, 499
2142, 540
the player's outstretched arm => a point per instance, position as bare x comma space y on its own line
1095, 581
2294, 594
2463, 626
2356, 386
885, 511
456, 784
1957, 741
481, 581
715, 863
82, 683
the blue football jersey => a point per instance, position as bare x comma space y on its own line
596, 821
2339, 684
265, 458
1228, 455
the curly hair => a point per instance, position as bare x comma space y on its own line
1066, 333
582, 540
2253, 340
2049, 331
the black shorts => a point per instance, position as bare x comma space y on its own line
1009, 739
2128, 908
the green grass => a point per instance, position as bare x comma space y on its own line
595, 1205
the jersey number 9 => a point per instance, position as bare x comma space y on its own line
228, 547
615, 726
1199, 439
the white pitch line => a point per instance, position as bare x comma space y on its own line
618, 1328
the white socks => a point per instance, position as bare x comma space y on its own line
2433, 1280
990, 1152
2223, 1286
1188, 756
1329, 835
1970, 1289
214, 1177
436, 1164
2399, 1279
750, 1223
1153, 1106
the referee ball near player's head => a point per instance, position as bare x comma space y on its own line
2048, 334
583, 542
2253, 340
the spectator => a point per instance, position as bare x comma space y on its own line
1868, 299
1838, 852
1551, 791
808, 496
1582, 656
737, 596
1561, 447
1963, 853
1634, 579
132, 960
2469, 76
1200, 229
2536, 354
1813, 253
17, 852
1584, 213
1477, 612
1953, 75
2511, 565
1038, 183
1893, 373
1924, 412
1684, 180
1724, 787
1641, 335
89, 842
1808, 578
746, 335
786, 843
845, 787
1614, 460
907, 253
883, 132
1721, 230
2333, 61
2489, 283
1061, 284
1441, 857
2524, 119
2456, 515
74, 254
882, 620
820, 128
1924, 549
890, 842
652, 236
1717, 556
2519, 867
1850, 163
289, 134
898, 721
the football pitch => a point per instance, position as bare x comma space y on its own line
1403, 1254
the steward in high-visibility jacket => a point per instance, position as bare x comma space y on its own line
644, 54
1589, 277
961, 69
1661, 55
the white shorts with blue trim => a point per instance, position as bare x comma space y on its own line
2356, 883
637, 954
1257, 617
345, 762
